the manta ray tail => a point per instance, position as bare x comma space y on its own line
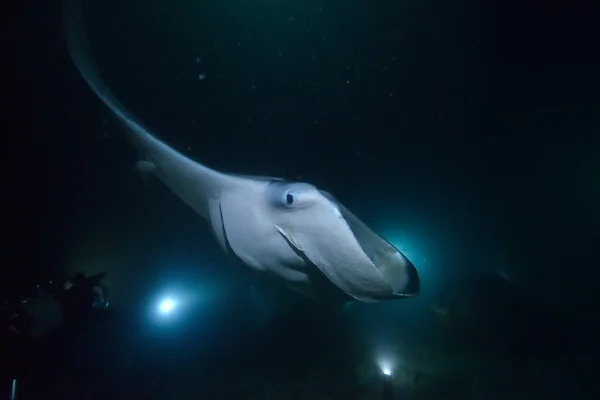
79, 49
192, 182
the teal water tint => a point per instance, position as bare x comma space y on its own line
457, 130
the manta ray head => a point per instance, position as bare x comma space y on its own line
354, 258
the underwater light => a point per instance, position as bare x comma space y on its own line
166, 305
387, 384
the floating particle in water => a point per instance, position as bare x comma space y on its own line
201, 77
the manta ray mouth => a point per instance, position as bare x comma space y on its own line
398, 271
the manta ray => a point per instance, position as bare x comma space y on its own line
290, 231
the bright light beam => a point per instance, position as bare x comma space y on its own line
166, 305
386, 371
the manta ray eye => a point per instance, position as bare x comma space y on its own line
284, 195
289, 199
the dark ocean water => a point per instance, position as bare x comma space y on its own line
465, 133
